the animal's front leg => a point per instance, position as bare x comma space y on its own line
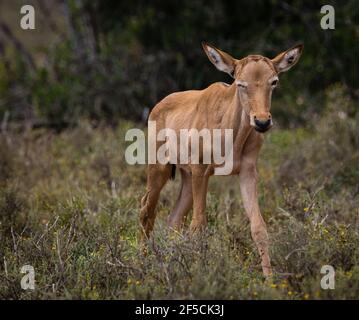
199, 189
248, 184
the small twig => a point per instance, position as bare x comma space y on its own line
284, 212
284, 274
122, 265
5, 266
323, 220
47, 229
71, 235
13, 240
295, 250
58, 250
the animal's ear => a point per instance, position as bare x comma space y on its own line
287, 59
223, 61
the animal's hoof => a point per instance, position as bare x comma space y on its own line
196, 227
268, 273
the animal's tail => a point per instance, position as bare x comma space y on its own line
173, 172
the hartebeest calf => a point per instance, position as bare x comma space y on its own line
243, 106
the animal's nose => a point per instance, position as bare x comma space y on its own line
262, 123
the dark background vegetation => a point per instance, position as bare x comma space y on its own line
69, 203
110, 59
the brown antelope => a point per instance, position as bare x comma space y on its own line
243, 106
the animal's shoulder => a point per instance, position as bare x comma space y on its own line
217, 89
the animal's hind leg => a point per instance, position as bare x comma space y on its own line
183, 204
157, 177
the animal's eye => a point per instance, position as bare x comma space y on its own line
274, 83
241, 84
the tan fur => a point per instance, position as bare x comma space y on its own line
219, 107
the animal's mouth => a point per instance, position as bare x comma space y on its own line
262, 130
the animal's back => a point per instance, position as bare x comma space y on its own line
181, 101
184, 109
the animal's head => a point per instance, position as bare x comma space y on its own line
256, 77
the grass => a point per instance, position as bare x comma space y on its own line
69, 206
